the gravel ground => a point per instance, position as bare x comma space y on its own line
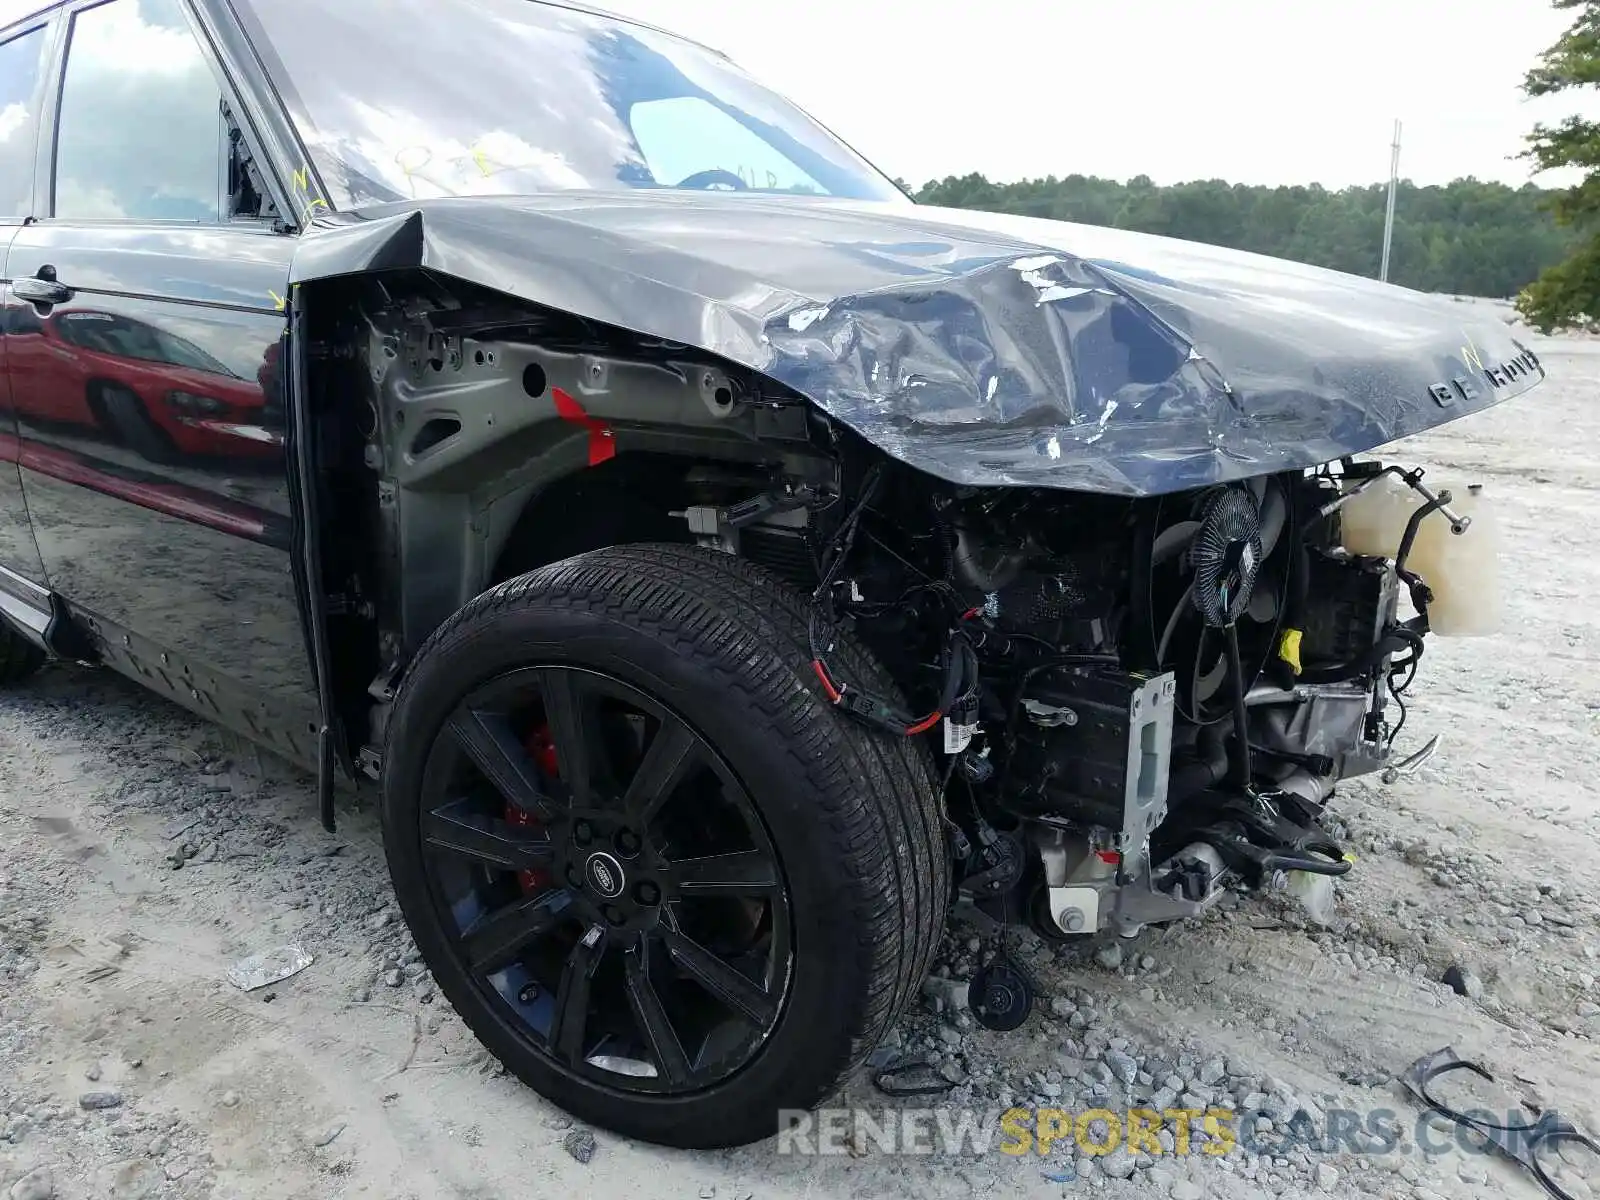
142, 854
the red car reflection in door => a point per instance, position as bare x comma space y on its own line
156, 393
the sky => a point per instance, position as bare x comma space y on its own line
1251, 91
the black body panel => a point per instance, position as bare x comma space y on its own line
23, 56
152, 425
19, 554
144, 416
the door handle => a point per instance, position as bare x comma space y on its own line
42, 288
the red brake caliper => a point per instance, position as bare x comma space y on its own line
543, 750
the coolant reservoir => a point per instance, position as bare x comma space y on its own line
1462, 570
1374, 519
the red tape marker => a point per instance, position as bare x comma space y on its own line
602, 442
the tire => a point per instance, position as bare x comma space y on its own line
19, 658
132, 425
851, 816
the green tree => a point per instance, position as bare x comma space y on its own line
1466, 237
1568, 292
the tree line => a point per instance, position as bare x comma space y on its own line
1569, 292
1467, 237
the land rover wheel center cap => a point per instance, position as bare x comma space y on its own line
604, 875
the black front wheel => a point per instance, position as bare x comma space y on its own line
661, 879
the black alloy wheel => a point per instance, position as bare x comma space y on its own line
662, 879
579, 838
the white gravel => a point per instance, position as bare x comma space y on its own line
142, 854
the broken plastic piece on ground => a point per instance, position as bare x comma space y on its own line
911, 1079
268, 967
1545, 1143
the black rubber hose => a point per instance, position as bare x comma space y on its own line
1313, 866
1141, 614
1207, 770
961, 673
1296, 593
1298, 587
1241, 735
1398, 638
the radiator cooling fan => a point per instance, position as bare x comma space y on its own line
1216, 566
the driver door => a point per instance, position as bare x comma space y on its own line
150, 407
23, 53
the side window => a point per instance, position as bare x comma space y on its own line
19, 77
140, 132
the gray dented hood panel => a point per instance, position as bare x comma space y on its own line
983, 349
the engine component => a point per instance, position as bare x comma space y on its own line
1080, 874
1377, 508
1462, 570
1155, 697
1222, 568
1257, 836
1193, 873
1226, 556
1098, 743
785, 547
1085, 892
1000, 995
985, 568
960, 691
1066, 602
995, 865
1322, 727
1355, 602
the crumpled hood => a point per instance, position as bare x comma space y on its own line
983, 349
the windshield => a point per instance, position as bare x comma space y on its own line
408, 99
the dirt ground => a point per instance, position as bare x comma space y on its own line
142, 854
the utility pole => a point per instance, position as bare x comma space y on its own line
1388, 216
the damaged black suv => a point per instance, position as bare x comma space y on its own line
719, 564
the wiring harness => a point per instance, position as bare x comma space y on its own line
958, 696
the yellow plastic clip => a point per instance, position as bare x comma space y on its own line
1289, 648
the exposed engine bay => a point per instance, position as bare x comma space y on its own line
1140, 704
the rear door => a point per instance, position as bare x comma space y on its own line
150, 408
23, 55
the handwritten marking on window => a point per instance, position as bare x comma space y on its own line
306, 196
413, 161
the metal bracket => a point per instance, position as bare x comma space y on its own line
1075, 909
1144, 804
1411, 763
